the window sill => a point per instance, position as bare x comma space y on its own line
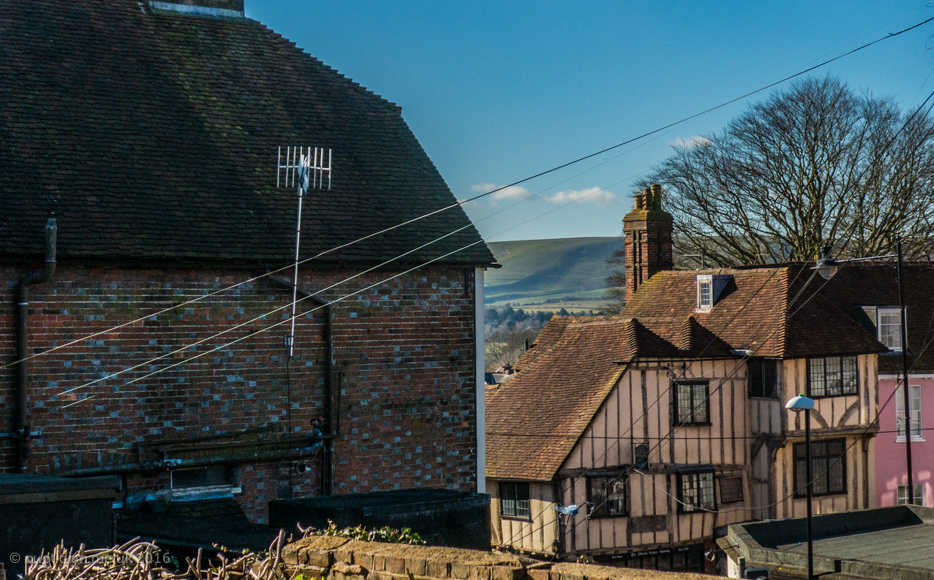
913, 439
706, 424
818, 495
702, 510
607, 516
206, 492
817, 397
515, 518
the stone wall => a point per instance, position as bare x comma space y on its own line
332, 558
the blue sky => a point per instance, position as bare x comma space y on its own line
499, 91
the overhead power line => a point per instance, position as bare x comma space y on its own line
485, 194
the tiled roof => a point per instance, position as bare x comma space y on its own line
156, 135
534, 420
876, 284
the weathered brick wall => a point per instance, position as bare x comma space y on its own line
403, 353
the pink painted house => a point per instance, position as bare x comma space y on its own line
891, 474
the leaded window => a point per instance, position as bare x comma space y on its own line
763, 377
691, 403
514, 500
828, 467
697, 492
832, 376
607, 495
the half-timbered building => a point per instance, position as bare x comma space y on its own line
634, 438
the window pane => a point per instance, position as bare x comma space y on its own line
708, 501
754, 377
522, 500
914, 392
902, 498
689, 492
834, 377
850, 377
890, 323
818, 387
705, 294
700, 403
769, 378
684, 403
800, 470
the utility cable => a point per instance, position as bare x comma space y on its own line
485, 194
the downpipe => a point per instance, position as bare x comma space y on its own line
21, 421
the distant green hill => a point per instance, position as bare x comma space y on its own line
539, 272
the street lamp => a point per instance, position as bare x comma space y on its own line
827, 266
798, 404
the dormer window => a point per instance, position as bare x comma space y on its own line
709, 288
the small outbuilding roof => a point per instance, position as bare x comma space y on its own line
892, 543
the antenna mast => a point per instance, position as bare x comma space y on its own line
304, 167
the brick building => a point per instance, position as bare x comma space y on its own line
151, 133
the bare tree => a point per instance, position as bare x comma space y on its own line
811, 166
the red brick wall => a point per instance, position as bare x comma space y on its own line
404, 354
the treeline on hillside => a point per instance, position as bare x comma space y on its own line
508, 330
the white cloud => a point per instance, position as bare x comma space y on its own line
696, 141
593, 195
511, 192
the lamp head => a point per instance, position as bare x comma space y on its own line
799, 403
826, 266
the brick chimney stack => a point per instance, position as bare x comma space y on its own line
648, 239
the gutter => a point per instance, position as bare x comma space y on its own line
207, 461
21, 420
327, 476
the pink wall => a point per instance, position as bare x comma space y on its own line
890, 455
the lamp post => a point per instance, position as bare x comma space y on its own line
798, 404
827, 266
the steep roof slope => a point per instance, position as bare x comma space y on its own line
154, 135
535, 420
876, 284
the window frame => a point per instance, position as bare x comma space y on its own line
704, 283
821, 464
917, 423
812, 364
684, 505
901, 494
888, 310
228, 484
756, 376
691, 384
601, 502
518, 489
